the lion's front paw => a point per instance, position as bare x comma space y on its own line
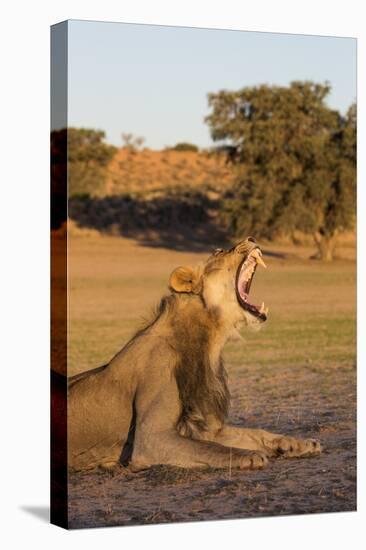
290, 447
253, 461
111, 466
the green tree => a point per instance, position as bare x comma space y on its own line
185, 146
133, 143
295, 160
88, 157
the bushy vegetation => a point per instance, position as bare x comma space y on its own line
87, 159
290, 168
295, 160
184, 146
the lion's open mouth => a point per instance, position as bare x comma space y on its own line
244, 278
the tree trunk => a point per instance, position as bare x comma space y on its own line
326, 245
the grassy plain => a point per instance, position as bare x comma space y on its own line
115, 283
296, 375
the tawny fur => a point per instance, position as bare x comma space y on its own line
164, 398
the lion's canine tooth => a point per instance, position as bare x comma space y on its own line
266, 311
262, 310
258, 258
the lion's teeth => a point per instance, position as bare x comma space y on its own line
258, 258
266, 311
262, 310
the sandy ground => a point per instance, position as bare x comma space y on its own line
148, 170
296, 376
298, 486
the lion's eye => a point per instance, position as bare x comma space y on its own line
218, 251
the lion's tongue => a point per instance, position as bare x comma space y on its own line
244, 278
242, 290
244, 284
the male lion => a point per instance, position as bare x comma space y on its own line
163, 399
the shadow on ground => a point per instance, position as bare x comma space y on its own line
184, 221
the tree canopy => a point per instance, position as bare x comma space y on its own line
185, 146
88, 157
295, 160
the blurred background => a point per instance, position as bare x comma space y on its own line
181, 137
181, 140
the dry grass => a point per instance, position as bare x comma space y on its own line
114, 284
297, 376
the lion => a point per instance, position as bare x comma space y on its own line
164, 398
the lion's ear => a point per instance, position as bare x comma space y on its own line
186, 279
